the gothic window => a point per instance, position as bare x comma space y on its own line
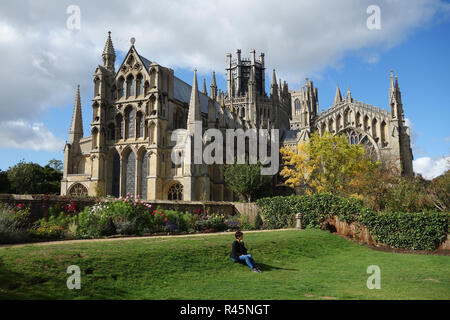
152, 133
242, 112
359, 138
78, 190
153, 78
175, 192
115, 174
374, 129
119, 124
139, 125
112, 131
122, 86
297, 106
144, 173
331, 126
129, 122
358, 120
130, 169
383, 133
130, 86
96, 87
339, 124
139, 85
95, 138
366, 123
146, 87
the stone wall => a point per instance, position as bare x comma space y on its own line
247, 208
39, 204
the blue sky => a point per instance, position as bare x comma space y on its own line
418, 56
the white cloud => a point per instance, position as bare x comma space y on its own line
23, 135
431, 168
42, 61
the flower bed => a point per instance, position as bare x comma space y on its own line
112, 217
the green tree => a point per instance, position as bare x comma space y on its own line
246, 180
4, 182
56, 164
31, 178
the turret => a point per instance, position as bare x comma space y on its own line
213, 87
337, 97
109, 56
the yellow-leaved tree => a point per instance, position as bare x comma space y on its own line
326, 163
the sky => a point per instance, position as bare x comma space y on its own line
47, 48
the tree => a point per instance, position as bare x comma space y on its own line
4, 182
325, 163
56, 164
31, 178
247, 181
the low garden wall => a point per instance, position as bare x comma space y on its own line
39, 205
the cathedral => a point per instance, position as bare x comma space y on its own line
136, 108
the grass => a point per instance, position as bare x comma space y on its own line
308, 264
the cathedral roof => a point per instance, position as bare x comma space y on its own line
289, 135
182, 91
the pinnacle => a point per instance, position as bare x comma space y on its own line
109, 48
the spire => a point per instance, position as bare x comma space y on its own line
337, 96
348, 98
76, 128
109, 55
204, 91
213, 87
274, 86
274, 78
194, 104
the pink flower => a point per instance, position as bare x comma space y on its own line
135, 204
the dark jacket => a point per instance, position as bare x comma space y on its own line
237, 249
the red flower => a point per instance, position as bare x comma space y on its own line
160, 212
153, 214
19, 205
163, 215
154, 211
165, 219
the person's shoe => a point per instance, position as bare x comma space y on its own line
259, 270
255, 270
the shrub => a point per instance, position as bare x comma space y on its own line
415, 231
14, 223
279, 212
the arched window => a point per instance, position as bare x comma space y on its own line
139, 125
130, 86
115, 174
175, 192
375, 129
243, 112
297, 106
112, 131
122, 86
95, 138
78, 190
130, 169
139, 85
383, 133
144, 173
119, 125
358, 120
129, 122
96, 87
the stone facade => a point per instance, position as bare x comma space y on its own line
136, 108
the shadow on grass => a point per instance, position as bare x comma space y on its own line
265, 267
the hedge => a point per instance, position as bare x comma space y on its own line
416, 231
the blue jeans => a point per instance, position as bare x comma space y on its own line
248, 259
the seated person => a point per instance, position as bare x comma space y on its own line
239, 252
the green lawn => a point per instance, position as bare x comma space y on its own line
308, 264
